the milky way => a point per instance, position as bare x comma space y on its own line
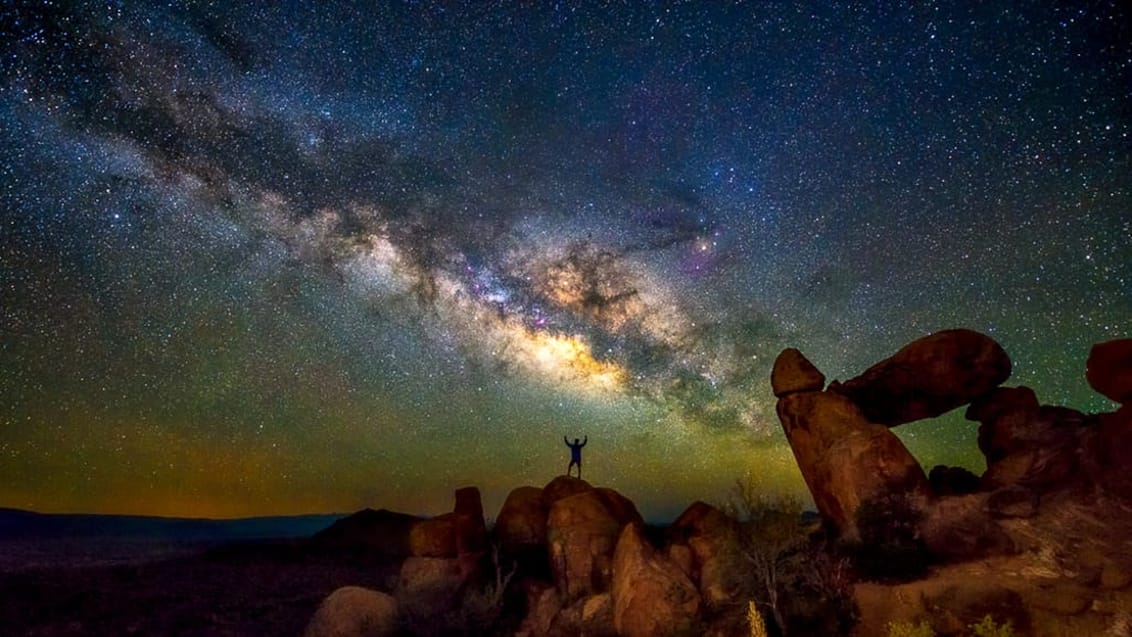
320, 257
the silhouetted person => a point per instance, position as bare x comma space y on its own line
575, 454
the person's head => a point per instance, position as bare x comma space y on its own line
575, 441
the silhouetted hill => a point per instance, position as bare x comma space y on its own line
382, 531
16, 524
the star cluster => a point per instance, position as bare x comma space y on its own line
317, 257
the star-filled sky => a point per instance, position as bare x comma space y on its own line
328, 255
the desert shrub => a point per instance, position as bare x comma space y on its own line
890, 547
802, 583
988, 627
908, 629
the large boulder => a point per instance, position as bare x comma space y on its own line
793, 372
651, 595
928, 377
845, 459
352, 611
521, 523
582, 533
563, 487
1109, 369
712, 551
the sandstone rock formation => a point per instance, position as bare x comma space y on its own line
928, 377
352, 611
651, 595
1109, 369
582, 532
563, 487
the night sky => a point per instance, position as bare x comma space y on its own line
332, 255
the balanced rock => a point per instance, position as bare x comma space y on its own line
651, 595
928, 377
521, 523
845, 459
582, 533
353, 611
793, 372
1109, 369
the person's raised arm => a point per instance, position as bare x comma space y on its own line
585, 441
565, 441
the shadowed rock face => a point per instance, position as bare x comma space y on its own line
1109, 369
651, 594
582, 532
928, 377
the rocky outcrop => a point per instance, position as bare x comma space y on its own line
1109, 369
352, 611
1024, 443
792, 373
582, 533
845, 459
651, 595
928, 377
457, 533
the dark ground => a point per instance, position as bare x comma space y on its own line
246, 588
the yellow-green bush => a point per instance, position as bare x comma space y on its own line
908, 629
989, 628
